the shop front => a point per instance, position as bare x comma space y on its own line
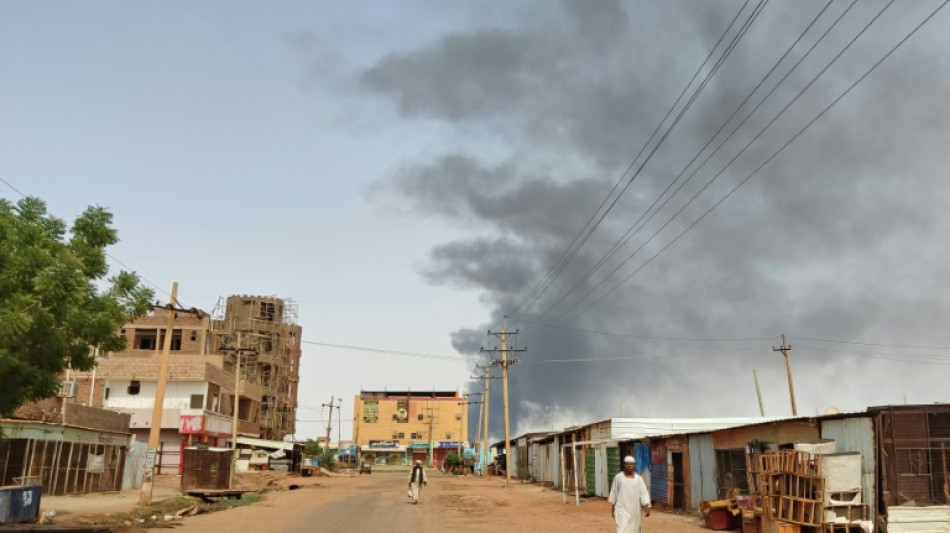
442, 448
384, 452
420, 452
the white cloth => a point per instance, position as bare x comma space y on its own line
628, 495
415, 485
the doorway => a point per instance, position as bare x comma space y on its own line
679, 485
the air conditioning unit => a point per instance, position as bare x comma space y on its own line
68, 389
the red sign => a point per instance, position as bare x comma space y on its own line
188, 424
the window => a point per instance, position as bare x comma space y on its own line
145, 339
194, 335
419, 417
106, 394
197, 401
731, 471
135, 386
402, 436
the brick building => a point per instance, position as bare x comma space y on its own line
200, 399
397, 427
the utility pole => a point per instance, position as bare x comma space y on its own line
339, 426
758, 392
238, 351
234, 409
504, 362
788, 368
431, 460
145, 498
329, 425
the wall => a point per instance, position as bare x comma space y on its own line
449, 421
856, 435
177, 394
777, 432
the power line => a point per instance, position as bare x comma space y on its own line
395, 352
107, 254
634, 230
836, 341
571, 250
774, 155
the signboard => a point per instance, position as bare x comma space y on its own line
402, 411
371, 412
448, 444
384, 444
149, 464
422, 445
191, 424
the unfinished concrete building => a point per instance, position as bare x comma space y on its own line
264, 330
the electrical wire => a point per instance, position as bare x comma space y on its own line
769, 159
394, 352
634, 230
571, 250
107, 254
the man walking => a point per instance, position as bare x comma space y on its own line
628, 495
417, 478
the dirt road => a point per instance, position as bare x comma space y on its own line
459, 505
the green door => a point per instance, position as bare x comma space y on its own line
613, 464
590, 472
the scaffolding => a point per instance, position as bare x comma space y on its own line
265, 326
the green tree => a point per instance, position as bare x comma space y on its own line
55, 303
311, 447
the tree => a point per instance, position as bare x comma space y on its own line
52, 309
311, 447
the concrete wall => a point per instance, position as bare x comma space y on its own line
449, 421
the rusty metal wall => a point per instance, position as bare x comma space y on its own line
205, 468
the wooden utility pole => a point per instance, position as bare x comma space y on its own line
145, 498
788, 369
758, 392
504, 362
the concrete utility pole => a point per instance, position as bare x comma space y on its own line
758, 392
329, 423
485, 449
431, 460
504, 362
788, 369
145, 498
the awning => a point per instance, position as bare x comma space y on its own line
386, 449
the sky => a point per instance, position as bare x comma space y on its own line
410, 173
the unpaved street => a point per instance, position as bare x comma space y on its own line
379, 503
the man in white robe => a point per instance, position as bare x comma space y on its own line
628, 495
417, 478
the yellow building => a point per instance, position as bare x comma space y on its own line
397, 427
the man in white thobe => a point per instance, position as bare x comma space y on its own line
628, 495
417, 478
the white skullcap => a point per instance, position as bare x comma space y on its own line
629, 459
